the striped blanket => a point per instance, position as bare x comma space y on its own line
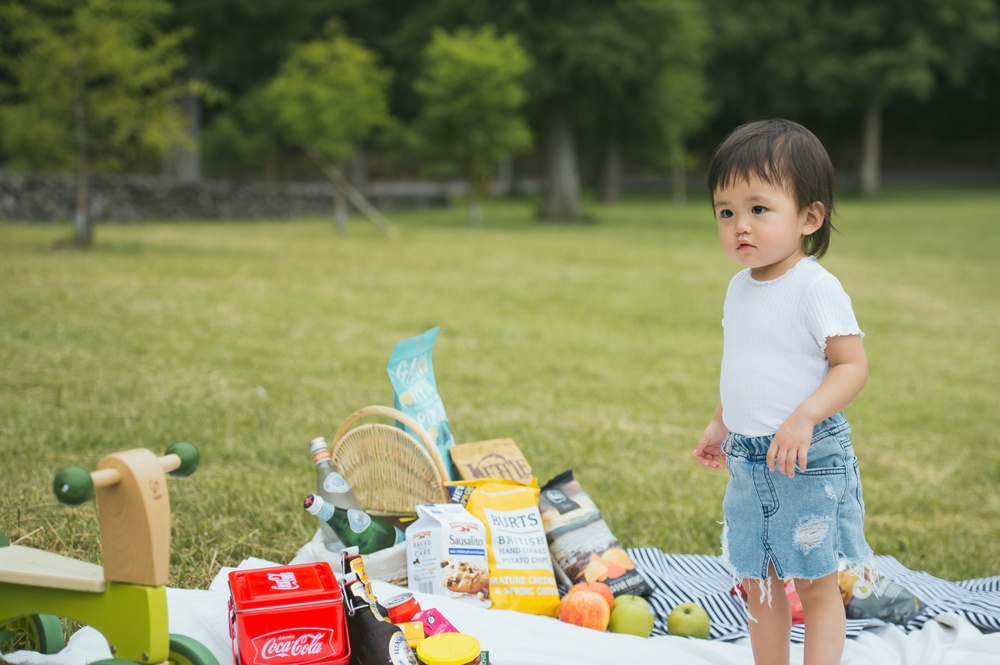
679, 578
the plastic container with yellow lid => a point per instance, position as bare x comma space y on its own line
449, 649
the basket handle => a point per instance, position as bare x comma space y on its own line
390, 412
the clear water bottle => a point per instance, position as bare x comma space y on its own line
333, 487
354, 528
330, 485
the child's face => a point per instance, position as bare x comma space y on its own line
762, 226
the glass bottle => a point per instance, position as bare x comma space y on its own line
354, 528
333, 487
330, 484
373, 642
351, 561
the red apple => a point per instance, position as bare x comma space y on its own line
585, 608
599, 587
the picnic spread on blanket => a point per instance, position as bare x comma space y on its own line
416, 537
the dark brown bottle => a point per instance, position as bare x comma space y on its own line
373, 641
352, 562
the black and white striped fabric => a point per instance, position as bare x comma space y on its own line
703, 579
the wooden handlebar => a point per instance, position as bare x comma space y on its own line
108, 477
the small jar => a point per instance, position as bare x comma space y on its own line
449, 649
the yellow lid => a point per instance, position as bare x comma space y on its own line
448, 649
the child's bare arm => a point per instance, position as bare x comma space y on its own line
709, 450
848, 374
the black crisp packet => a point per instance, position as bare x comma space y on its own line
878, 598
580, 541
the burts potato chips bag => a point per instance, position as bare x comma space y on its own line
521, 575
415, 393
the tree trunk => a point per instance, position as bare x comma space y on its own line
355, 170
561, 181
678, 175
871, 150
82, 232
339, 206
341, 185
475, 211
504, 183
611, 173
183, 162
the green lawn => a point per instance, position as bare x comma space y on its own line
596, 347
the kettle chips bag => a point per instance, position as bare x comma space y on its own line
496, 458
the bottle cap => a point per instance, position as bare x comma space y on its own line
313, 504
319, 449
448, 649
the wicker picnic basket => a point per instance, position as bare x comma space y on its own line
390, 471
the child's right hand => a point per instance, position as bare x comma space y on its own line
709, 449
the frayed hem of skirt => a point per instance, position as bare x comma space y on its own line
863, 568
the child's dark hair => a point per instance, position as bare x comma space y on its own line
784, 154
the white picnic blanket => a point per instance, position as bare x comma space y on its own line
514, 638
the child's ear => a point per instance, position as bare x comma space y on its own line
813, 217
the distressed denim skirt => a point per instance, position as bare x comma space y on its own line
807, 526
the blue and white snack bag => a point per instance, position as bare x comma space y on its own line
414, 392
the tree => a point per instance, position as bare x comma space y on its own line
681, 103
94, 82
329, 95
831, 58
237, 47
652, 94
876, 53
472, 92
595, 64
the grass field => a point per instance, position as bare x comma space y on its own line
596, 347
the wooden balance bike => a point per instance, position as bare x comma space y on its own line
126, 598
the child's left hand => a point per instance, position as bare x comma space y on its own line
790, 444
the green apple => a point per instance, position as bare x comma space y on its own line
629, 598
631, 616
689, 619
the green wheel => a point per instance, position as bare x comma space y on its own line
73, 485
189, 458
189, 651
35, 632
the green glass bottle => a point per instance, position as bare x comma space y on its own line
355, 528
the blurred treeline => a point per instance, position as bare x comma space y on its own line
574, 94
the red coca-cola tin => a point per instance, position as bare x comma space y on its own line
292, 615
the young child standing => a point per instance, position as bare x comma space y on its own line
792, 360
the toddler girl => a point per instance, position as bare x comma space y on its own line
792, 360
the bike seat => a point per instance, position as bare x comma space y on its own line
33, 567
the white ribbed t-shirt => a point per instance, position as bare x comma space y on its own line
774, 351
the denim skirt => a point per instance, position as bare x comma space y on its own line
808, 526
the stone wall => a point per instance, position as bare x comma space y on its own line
128, 198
